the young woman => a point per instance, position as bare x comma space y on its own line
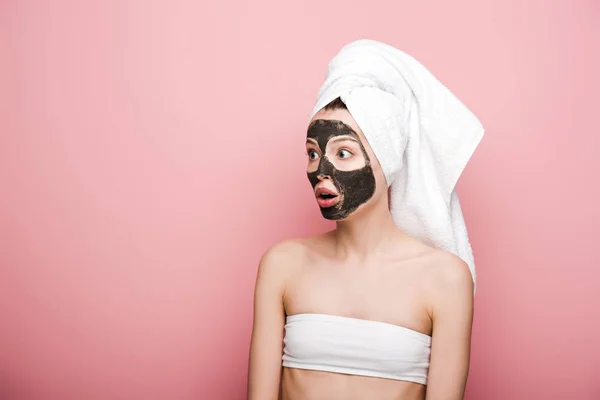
382, 306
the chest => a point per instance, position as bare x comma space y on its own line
386, 292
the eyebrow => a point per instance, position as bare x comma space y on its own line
342, 138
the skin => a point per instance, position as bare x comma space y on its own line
366, 268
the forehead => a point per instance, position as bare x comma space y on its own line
326, 129
329, 123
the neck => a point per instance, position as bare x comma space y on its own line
365, 233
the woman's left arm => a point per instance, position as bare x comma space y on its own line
452, 315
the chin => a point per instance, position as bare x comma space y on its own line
335, 218
335, 214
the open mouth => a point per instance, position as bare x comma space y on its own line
326, 198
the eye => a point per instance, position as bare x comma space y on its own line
312, 155
343, 153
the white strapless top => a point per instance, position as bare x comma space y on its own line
356, 346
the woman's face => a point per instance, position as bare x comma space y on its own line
342, 168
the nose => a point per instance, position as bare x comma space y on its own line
325, 169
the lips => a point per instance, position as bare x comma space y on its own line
326, 197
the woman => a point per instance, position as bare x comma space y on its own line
382, 306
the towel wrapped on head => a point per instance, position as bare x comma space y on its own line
422, 135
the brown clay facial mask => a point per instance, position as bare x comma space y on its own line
338, 158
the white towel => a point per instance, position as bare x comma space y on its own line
422, 135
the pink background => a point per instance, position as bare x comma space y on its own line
150, 151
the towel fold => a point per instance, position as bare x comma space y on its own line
422, 135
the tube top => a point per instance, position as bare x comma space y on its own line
356, 346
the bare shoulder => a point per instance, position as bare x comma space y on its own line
274, 271
282, 251
285, 257
448, 275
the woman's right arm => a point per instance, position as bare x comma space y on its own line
266, 348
